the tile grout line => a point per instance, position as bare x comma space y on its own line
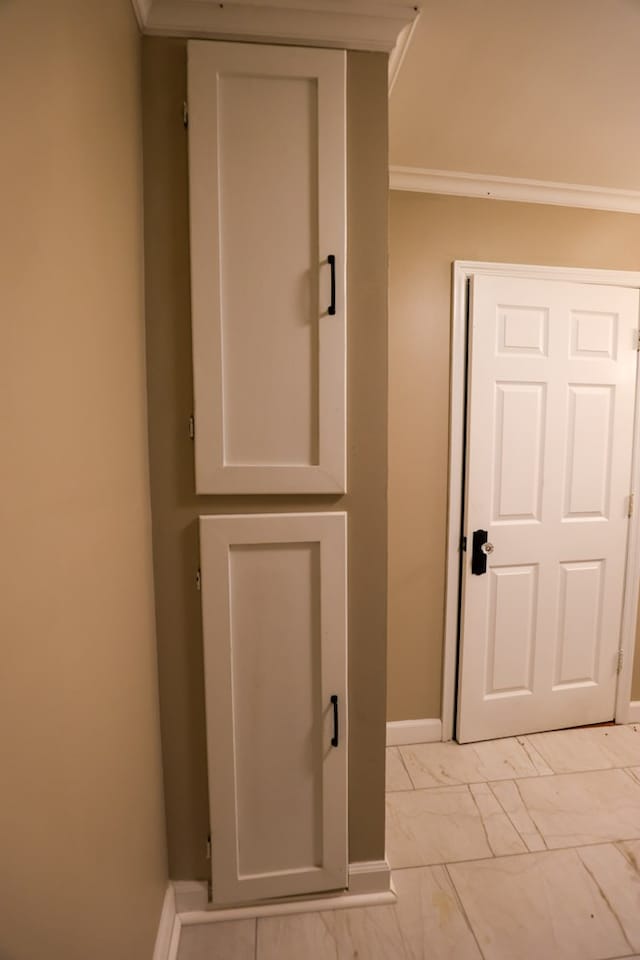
406, 768
605, 898
628, 855
505, 856
527, 811
463, 910
484, 826
324, 920
530, 748
631, 775
512, 821
537, 776
406, 950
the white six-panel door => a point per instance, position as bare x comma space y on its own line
549, 443
274, 622
267, 197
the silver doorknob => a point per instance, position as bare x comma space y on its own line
487, 548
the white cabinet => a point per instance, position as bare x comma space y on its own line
274, 617
267, 183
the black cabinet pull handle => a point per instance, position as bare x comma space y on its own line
334, 738
331, 260
478, 555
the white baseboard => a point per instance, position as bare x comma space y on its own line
413, 731
369, 885
340, 902
168, 936
371, 876
185, 904
190, 895
634, 712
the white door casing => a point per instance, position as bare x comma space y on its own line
274, 625
552, 373
267, 185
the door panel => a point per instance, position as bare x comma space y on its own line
274, 622
272, 762
579, 623
513, 595
550, 420
265, 318
589, 449
519, 434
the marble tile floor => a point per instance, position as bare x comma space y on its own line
526, 848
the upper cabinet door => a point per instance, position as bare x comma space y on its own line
267, 184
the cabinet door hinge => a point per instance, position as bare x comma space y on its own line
209, 847
620, 661
631, 504
185, 114
198, 580
192, 428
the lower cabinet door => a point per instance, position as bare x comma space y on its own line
275, 652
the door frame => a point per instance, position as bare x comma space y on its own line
462, 272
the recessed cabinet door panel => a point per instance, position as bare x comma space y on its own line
274, 616
267, 209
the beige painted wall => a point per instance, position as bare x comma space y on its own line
427, 234
175, 506
542, 89
82, 845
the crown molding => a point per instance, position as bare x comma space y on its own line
141, 8
345, 24
456, 184
399, 52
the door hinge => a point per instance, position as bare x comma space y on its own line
463, 544
209, 847
620, 661
192, 428
632, 498
198, 580
185, 114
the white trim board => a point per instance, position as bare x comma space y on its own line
343, 24
457, 184
399, 52
168, 936
190, 895
369, 885
207, 917
462, 271
368, 877
633, 713
401, 732
141, 9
